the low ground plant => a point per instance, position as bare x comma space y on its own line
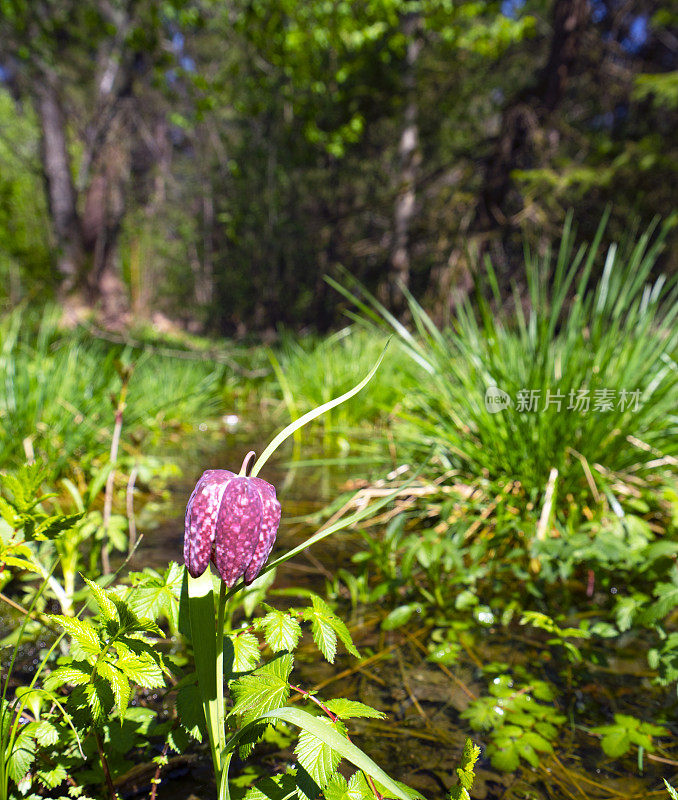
547, 423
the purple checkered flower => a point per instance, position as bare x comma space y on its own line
232, 521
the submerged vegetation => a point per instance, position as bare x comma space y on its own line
520, 541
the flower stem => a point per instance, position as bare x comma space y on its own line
220, 673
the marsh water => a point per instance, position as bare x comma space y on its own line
422, 737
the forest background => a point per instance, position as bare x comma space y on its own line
210, 162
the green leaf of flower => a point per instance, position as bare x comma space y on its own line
351, 709
281, 631
316, 756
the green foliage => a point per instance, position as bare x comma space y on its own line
26, 525
82, 709
22, 513
519, 718
465, 772
259, 693
617, 335
107, 655
24, 244
301, 370
625, 732
56, 396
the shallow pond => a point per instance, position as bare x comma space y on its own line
422, 738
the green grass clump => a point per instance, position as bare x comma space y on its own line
608, 333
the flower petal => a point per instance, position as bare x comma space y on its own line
237, 529
201, 518
270, 520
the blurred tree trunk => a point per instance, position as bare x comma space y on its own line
86, 223
59, 186
522, 138
409, 160
528, 114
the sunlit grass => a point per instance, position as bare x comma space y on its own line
57, 392
610, 333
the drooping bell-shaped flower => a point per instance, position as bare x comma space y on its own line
232, 520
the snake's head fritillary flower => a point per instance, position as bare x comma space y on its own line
231, 520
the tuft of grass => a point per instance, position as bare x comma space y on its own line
609, 334
57, 391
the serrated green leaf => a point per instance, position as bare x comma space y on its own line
263, 690
281, 631
9, 514
330, 736
317, 757
53, 526
352, 709
46, 734
119, 684
190, 711
82, 631
323, 633
100, 699
142, 669
246, 653
155, 595
276, 787
358, 783
53, 777
76, 674
15, 486
20, 563
21, 757
342, 631
103, 601
131, 622
465, 772
354, 789
179, 740
250, 739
